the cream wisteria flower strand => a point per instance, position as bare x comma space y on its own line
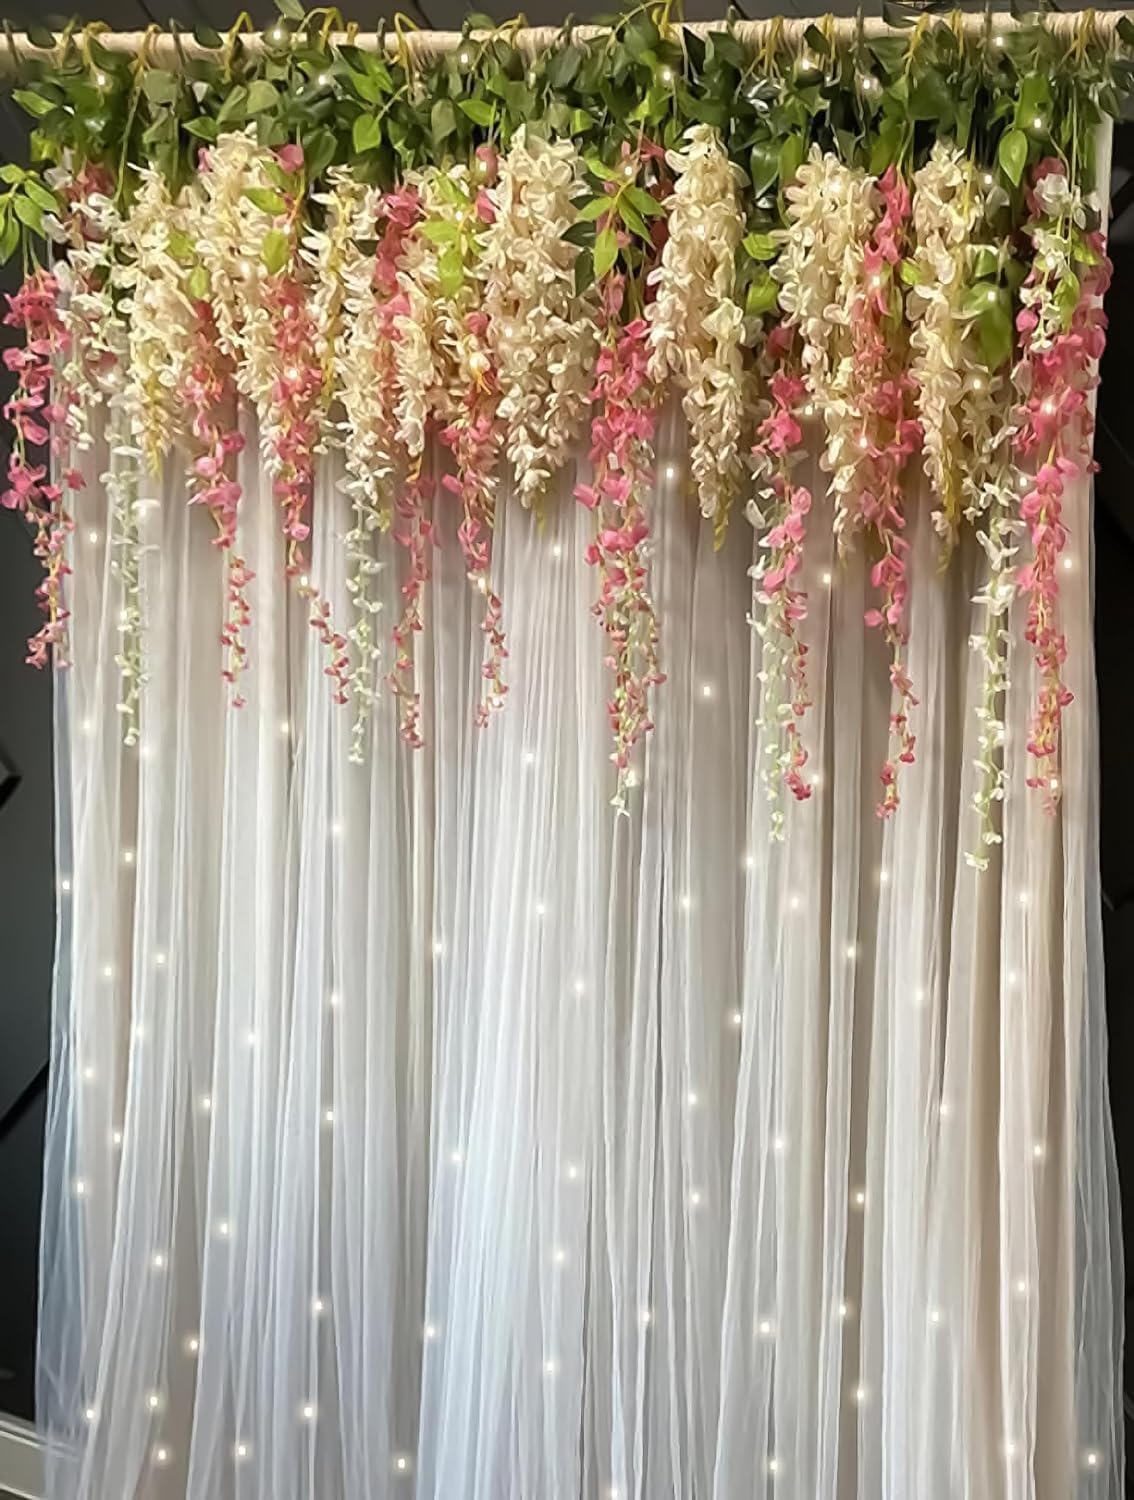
622, 433
543, 334
209, 394
947, 208
361, 385
780, 605
696, 323
1063, 330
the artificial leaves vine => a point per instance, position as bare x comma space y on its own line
881, 241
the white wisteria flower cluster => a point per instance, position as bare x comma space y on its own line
830, 208
544, 335
158, 315
696, 323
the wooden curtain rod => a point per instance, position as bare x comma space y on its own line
162, 48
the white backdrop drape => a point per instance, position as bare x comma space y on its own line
423, 1128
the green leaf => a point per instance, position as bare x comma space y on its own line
181, 246
817, 41
644, 202
159, 87
584, 271
761, 246
41, 195
29, 213
205, 128
197, 284
275, 250
979, 298
908, 271
10, 173
1126, 31
581, 121
233, 106
931, 98
986, 262
563, 65
366, 133
762, 296
205, 36
291, 9
35, 104
579, 234
994, 329
318, 153
765, 167
1067, 295
641, 37
479, 111
440, 231
267, 199
596, 207
9, 237
442, 121
39, 36
605, 252
791, 157
632, 218
1012, 155
451, 270
262, 96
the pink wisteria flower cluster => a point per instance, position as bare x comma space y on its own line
37, 414
890, 435
622, 435
1062, 329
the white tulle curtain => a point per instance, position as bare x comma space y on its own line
423, 1128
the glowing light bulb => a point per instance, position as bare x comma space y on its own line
277, 34
108, 971
1068, 564
978, 383
559, 1256
90, 1415
328, 1117
692, 1099
159, 1261
224, 1229
557, 549
572, 1172
859, 1395
192, 1345
401, 1463
80, 1187
89, 1073
101, 79
764, 1328
550, 1367
736, 1020
1037, 123
324, 80
706, 690
161, 1455
1039, 1151
65, 885
464, 57
826, 580
241, 1451
318, 1306
987, 179
665, 74
859, 1198
1092, 1458
431, 1332
935, 1316
308, 1412
153, 1401
695, 1198
206, 1103
843, 1311
160, 959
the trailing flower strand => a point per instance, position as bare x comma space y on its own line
1062, 329
34, 416
622, 434
696, 323
888, 436
785, 694
248, 233
543, 333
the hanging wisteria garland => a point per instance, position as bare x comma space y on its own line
881, 243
